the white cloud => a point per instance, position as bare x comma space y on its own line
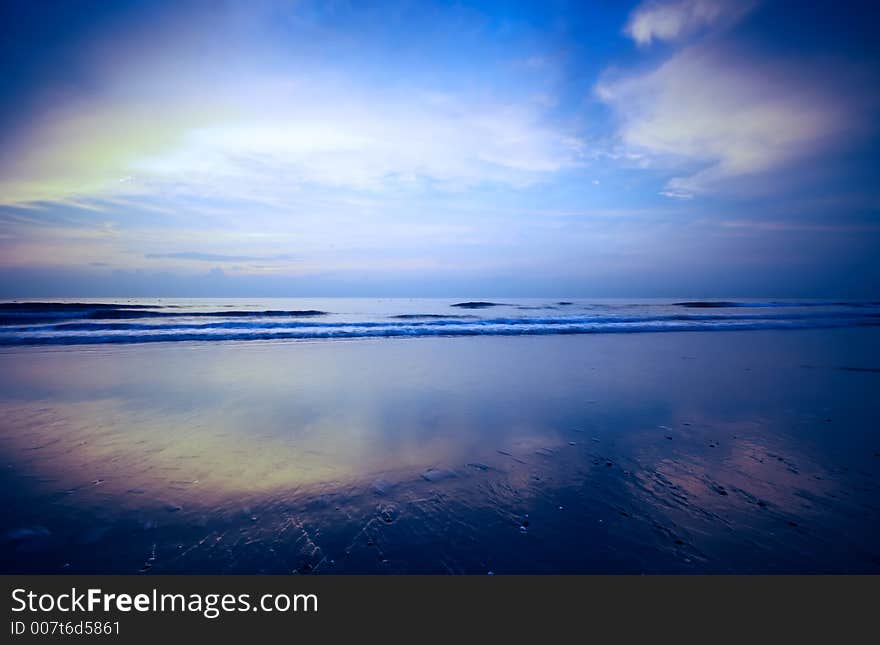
674, 19
371, 142
719, 115
274, 138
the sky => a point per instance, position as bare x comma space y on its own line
701, 148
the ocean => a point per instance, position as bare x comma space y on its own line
67, 322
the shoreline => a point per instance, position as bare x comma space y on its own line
737, 452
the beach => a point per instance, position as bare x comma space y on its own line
742, 451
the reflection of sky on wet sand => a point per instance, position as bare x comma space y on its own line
672, 452
247, 419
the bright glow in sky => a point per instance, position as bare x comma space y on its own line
672, 147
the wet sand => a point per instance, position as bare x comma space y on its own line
736, 452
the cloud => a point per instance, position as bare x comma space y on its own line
716, 114
674, 19
265, 98
369, 142
274, 137
215, 257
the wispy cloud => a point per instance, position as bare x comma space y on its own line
717, 115
263, 99
276, 136
343, 139
216, 257
672, 20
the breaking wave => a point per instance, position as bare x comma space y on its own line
101, 323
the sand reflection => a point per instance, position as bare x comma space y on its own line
540, 454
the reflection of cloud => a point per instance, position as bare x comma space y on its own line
728, 116
674, 19
134, 426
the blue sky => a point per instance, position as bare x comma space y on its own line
662, 148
